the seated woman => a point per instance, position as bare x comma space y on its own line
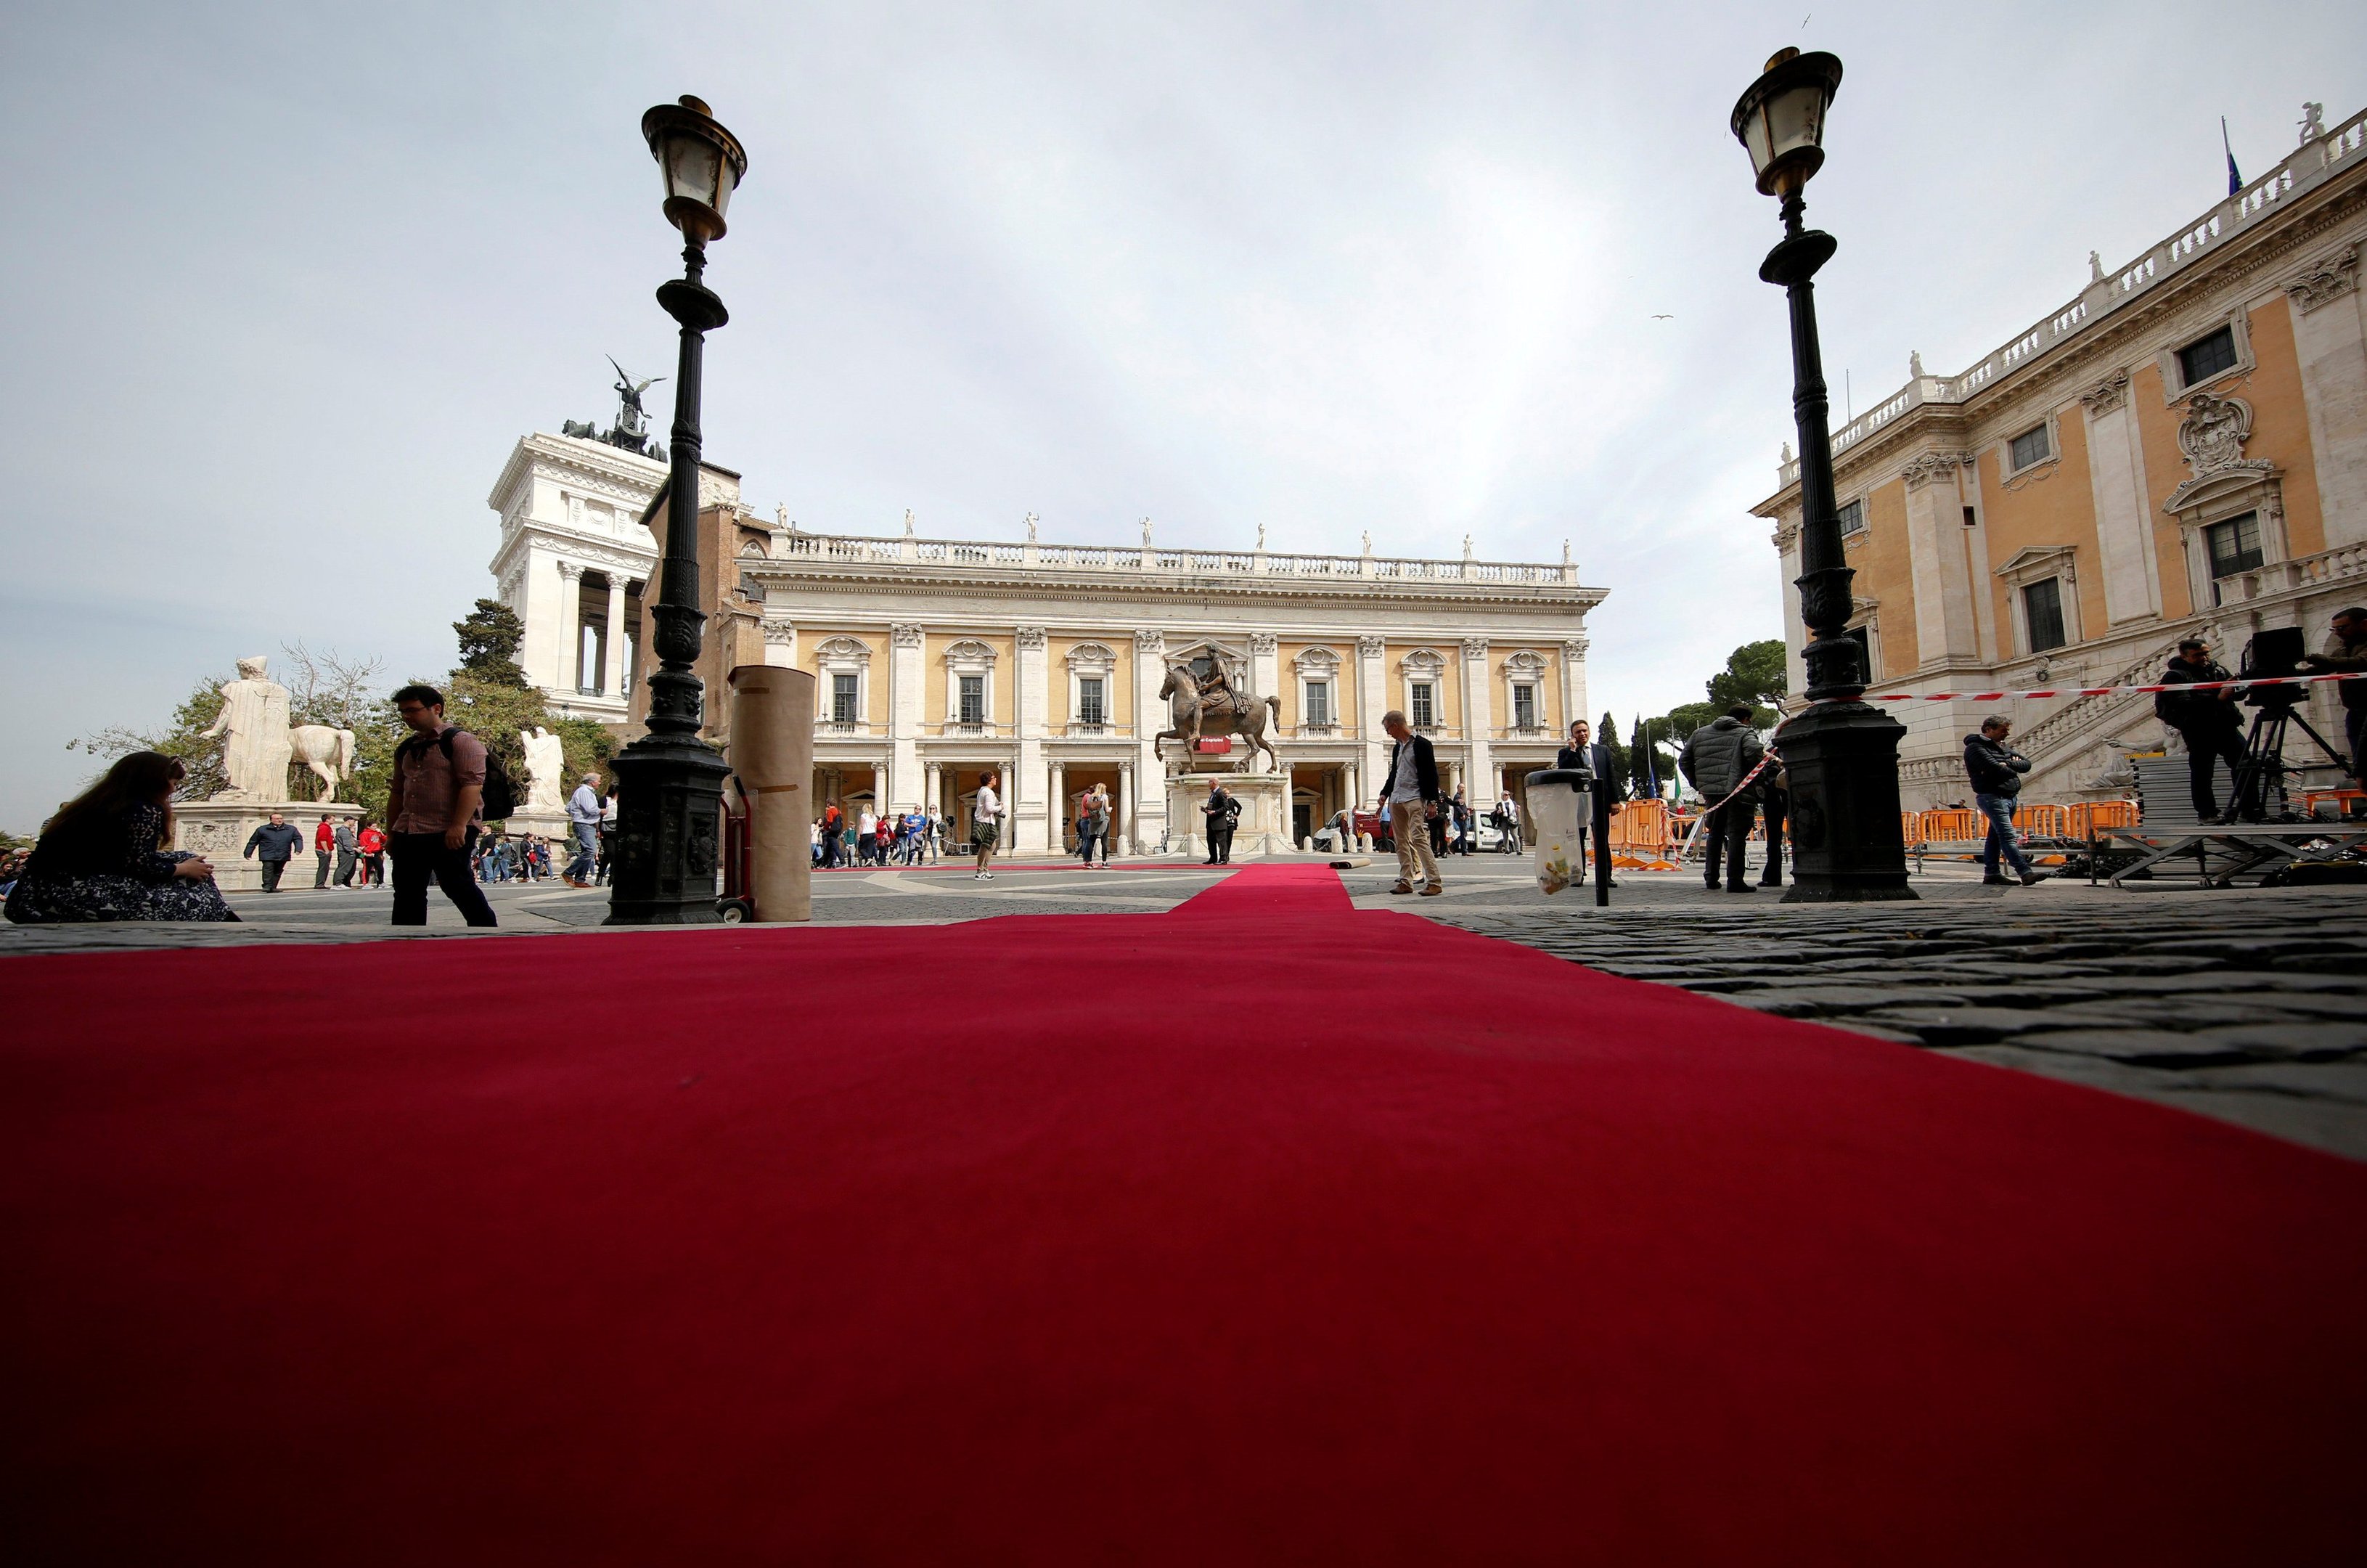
103, 856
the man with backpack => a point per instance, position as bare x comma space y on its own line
444, 779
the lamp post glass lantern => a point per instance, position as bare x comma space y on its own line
1841, 756
670, 782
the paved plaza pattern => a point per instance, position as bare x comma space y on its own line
2248, 1005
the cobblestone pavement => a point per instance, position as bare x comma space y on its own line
913, 897
2250, 1006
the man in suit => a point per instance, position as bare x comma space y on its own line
1409, 794
1609, 788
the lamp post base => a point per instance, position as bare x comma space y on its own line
1841, 759
669, 831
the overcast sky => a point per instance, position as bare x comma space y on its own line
281, 285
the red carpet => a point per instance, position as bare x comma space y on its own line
1227, 1236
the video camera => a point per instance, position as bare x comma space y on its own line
2277, 651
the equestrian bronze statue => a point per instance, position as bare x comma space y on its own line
1189, 708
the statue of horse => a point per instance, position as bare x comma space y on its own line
328, 753
1245, 716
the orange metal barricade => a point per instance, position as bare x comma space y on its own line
1945, 824
1642, 835
2042, 821
2089, 816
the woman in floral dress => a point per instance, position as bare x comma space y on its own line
103, 856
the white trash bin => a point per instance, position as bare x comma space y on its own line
1560, 799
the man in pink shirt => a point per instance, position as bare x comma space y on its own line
430, 811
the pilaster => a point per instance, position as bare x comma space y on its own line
1150, 718
2327, 309
1032, 694
1372, 701
1478, 723
1940, 576
2125, 546
904, 715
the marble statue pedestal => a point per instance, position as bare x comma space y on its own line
219, 829
549, 825
1265, 814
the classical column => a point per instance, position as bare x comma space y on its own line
612, 672
1573, 683
1372, 701
1058, 807
1150, 718
1124, 826
1944, 623
1265, 668
904, 722
2330, 340
571, 630
1478, 720
1031, 694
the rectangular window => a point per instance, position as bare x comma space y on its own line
1319, 701
973, 699
2042, 608
1425, 705
1852, 517
2205, 358
1524, 707
845, 696
2030, 448
2234, 544
1089, 700
1971, 520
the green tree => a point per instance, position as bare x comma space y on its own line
1753, 674
1607, 732
489, 636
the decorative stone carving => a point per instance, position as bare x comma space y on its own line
2328, 278
2107, 394
1031, 637
780, 634
906, 635
329, 752
1915, 364
2313, 122
2214, 434
546, 769
1931, 468
1372, 647
254, 724
1475, 649
1317, 662
1148, 642
1574, 648
1145, 533
1263, 643
845, 650
571, 572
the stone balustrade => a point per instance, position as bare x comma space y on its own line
1071, 561
2311, 164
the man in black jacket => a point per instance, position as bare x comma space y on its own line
1996, 771
1718, 760
2207, 721
275, 842
1609, 788
1409, 795
2345, 650
1223, 812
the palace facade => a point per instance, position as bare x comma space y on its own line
936, 660
2181, 450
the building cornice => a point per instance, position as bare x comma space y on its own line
597, 466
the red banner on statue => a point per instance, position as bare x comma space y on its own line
1221, 746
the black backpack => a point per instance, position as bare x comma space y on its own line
500, 801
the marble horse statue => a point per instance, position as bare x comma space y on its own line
328, 753
1236, 713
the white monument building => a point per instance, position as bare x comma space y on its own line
938, 659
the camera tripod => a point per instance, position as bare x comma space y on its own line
2262, 770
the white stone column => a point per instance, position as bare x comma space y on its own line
1150, 718
1372, 701
1479, 721
1944, 627
1265, 667
2125, 538
1573, 682
1032, 696
612, 672
904, 718
1124, 826
1057, 805
571, 630
2330, 323
780, 643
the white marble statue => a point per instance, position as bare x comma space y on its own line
546, 769
329, 752
1145, 533
1031, 527
254, 722
908, 522
1261, 536
1467, 546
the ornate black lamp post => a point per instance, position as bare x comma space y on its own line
670, 782
1842, 754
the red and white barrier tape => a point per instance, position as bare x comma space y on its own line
2109, 690
1773, 758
